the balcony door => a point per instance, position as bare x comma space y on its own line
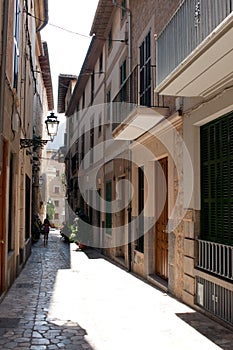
161, 235
145, 72
121, 218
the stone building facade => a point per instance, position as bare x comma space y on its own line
157, 113
25, 98
200, 76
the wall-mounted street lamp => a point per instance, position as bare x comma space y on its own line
52, 125
52, 128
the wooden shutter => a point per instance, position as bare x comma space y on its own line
217, 180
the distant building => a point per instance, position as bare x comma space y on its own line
53, 186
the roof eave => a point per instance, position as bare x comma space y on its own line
41, 14
64, 81
46, 74
102, 18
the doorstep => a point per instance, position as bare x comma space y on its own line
158, 282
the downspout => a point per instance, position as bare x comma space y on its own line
129, 209
2, 78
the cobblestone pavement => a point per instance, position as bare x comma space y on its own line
67, 299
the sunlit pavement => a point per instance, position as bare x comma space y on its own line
69, 299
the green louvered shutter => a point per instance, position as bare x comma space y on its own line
217, 180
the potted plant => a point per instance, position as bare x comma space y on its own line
75, 236
74, 231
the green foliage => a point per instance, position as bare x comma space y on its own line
74, 232
50, 210
63, 180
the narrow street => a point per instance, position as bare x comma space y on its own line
69, 299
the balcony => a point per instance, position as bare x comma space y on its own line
216, 258
194, 52
136, 108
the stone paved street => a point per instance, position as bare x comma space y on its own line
69, 299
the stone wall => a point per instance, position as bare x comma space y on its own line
191, 232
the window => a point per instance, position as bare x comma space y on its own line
92, 135
100, 125
108, 190
124, 87
16, 44
109, 105
92, 86
123, 11
145, 72
57, 173
110, 40
123, 72
56, 216
83, 100
56, 203
101, 63
57, 189
217, 180
140, 240
83, 144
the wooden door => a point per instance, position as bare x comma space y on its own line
123, 216
3, 217
161, 235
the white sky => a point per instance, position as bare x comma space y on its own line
66, 50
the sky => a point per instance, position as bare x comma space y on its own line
67, 51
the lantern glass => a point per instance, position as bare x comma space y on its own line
52, 125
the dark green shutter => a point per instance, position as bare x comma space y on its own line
217, 180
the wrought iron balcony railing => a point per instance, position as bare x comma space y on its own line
190, 25
216, 258
137, 90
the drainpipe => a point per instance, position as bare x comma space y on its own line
2, 75
129, 161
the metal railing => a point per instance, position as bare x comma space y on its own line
190, 25
134, 92
215, 299
216, 258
